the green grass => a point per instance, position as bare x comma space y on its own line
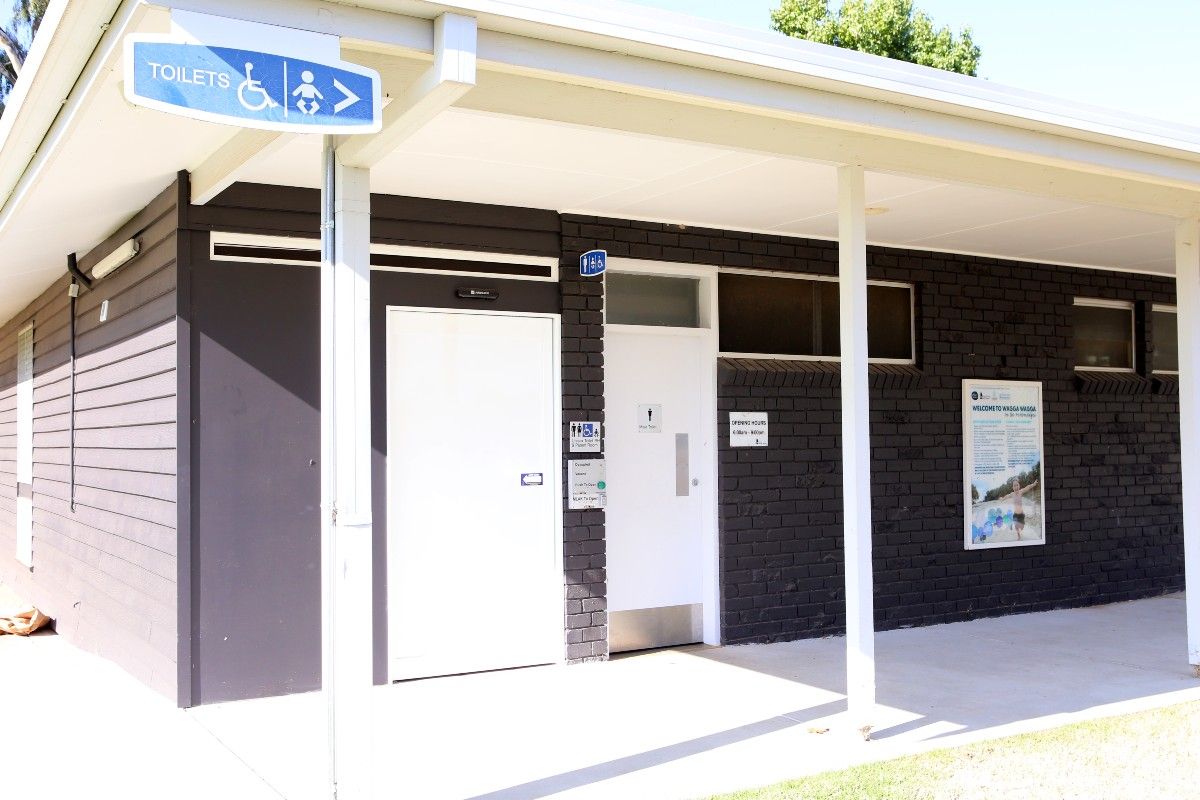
1151, 754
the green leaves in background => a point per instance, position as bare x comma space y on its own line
891, 28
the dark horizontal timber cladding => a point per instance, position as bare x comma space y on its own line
105, 570
261, 594
1112, 455
255, 478
290, 211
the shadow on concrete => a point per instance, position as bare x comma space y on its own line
1005, 671
596, 773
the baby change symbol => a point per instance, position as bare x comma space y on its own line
308, 94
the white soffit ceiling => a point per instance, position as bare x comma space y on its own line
485, 158
88, 189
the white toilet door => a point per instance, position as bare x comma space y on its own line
657, 450
474, 553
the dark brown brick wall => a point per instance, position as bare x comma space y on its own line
1112, 447
583, 399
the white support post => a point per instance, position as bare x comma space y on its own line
1187, 290
346, 473
856, 445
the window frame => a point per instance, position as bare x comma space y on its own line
1163, 308
24, 444
1124, 305
912, 318
702, 320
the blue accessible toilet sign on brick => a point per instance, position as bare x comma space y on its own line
593, 262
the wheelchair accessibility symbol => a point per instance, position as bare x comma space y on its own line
251, 89
254, 88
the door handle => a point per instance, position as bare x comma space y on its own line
683, 476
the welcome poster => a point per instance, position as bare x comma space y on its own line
1003, 464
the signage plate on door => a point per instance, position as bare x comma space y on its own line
649, 418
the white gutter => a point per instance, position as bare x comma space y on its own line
682, 39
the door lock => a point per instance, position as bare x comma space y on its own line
695, 481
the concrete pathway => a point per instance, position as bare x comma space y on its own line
677, 723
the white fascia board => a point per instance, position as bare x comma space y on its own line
683, 39
624, 29
383, 28
617, 72
66, 41
673, 56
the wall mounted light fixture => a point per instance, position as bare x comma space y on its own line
116, 258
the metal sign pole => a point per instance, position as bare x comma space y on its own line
347, 638
328, 455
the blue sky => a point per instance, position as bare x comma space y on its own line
1135, 58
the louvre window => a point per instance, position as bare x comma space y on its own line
785, 317
1164, 322
1103, 335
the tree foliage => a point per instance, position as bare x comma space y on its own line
892, 28
15, 37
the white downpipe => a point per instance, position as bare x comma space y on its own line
327, 454
346, 473
856, 445
1187, 289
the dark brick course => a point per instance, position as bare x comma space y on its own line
583, 399
1111, 446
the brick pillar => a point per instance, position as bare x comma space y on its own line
583, 399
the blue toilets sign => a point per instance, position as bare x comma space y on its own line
593, 262
251, 89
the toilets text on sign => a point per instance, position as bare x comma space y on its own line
251, 89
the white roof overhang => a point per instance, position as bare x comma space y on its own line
608, 108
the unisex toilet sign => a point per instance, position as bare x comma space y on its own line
251, 89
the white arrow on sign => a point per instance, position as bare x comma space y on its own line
351, 97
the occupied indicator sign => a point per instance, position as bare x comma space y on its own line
251, 89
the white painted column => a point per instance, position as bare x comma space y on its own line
856, 445
346, 473
1187, 289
